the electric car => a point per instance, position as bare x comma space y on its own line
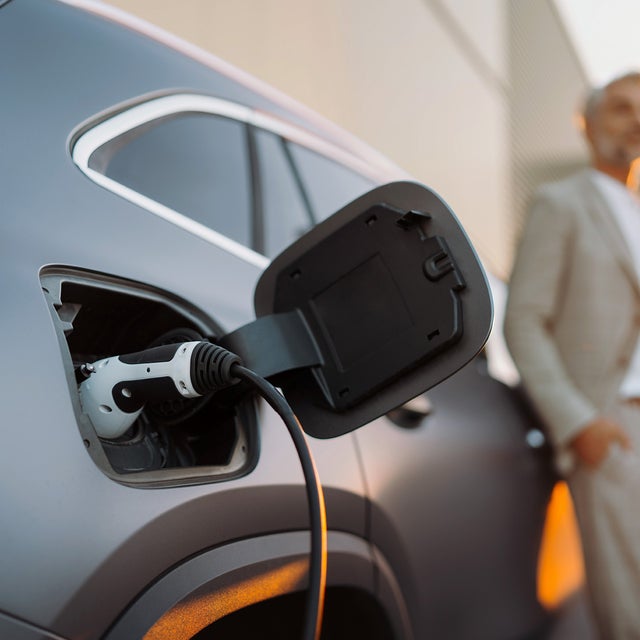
154, 201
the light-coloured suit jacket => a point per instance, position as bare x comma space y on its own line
573, 313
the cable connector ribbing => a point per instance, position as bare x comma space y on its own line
211, 368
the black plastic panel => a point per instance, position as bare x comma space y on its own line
395, 298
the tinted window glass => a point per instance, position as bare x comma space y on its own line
195, 164
329, 185
285, 214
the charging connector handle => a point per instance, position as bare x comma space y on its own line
118, 387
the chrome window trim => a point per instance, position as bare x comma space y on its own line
174, 104
111, 128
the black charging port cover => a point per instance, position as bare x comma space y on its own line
394, 297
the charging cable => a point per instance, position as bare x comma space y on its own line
315, 497
116, 389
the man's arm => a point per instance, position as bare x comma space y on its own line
535, 292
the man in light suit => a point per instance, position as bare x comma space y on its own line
573, 327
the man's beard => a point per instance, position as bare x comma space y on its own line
616, 154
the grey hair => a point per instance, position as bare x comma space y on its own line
595, 95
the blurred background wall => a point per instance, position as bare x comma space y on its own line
475, 98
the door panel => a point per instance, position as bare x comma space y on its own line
475, 496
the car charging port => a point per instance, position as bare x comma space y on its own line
172, 440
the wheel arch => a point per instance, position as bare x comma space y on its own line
241, 578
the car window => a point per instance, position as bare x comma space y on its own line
195, 164
285, 214
329, 185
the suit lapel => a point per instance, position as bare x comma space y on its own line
602, 216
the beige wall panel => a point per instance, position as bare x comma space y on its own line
484, 23
547, 82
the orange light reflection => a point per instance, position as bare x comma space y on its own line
560, 563
633, 179
193, 614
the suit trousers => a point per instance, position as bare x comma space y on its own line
607, 501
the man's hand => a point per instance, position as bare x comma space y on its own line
591, 445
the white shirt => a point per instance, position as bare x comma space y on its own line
625, 207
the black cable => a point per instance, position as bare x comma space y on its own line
317, 514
